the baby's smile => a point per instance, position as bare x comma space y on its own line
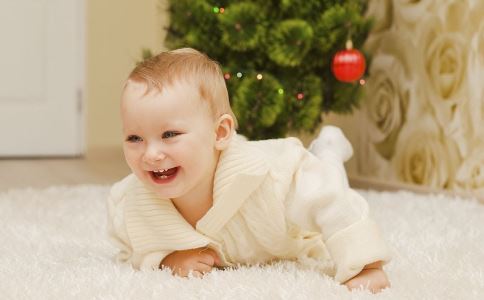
163, 176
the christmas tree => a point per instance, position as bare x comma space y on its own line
276, 56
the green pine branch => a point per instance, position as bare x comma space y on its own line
289, 42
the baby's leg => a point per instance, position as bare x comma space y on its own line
332, 146
321, 182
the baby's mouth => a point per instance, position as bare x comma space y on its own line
164, 173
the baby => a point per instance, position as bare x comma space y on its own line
201, 197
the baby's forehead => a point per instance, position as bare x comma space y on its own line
135, 84
180, 92
136, 87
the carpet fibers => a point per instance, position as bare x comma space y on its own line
53, 246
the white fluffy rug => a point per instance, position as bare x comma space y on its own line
53, 246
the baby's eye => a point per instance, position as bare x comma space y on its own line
134, 139
169, 134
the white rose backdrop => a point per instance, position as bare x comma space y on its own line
470, 175
423, 156
423, 110
476, 75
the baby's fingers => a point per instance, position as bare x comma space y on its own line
210, 257
196, 274
203, 268
196, 270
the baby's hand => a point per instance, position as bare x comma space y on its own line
375, 279
199, 261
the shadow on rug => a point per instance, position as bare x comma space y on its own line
54, 247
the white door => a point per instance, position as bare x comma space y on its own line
41, 77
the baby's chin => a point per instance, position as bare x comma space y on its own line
164, 192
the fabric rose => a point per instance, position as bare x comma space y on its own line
444, 56
470, 174
367, 162
468, 116
475, 77
424, 156
381, 13
460, 128
388, 92
408, 13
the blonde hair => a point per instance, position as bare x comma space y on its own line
192, 66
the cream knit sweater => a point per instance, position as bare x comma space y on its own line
272, 200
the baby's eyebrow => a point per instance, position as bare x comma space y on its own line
173, 124
131, 131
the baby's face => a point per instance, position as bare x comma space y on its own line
169, 139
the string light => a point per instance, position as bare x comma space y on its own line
300, 96
239, 75
259, 76
217, 10
227, 76
280, 91
362, 81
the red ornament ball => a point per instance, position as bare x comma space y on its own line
348, 65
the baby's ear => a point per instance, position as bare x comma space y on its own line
224, 131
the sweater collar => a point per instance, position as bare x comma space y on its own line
240, 170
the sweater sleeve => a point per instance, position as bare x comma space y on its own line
118, 234
323, 201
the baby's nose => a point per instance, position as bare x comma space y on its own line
153, 155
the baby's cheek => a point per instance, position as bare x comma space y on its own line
132, 162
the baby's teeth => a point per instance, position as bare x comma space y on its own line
159, 175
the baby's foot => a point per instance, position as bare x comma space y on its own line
331, 138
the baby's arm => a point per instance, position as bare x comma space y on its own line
118, 234
116, 227
197, 261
